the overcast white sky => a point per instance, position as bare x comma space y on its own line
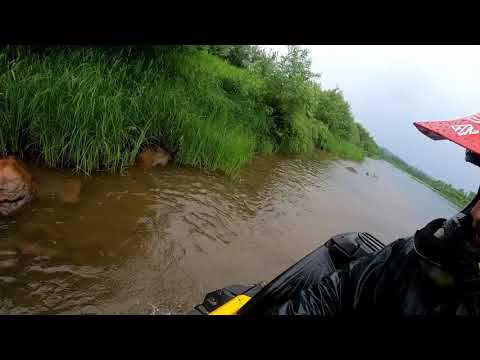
390, 87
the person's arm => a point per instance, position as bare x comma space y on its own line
392, 279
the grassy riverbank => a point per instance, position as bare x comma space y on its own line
456, 196
214, 107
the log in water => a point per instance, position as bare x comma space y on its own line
157, 241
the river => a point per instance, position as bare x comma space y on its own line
155, 242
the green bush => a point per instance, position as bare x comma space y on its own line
213, 107
93, 110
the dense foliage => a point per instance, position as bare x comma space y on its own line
212, 106
457, 196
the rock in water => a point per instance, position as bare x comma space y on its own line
16, 186
71, 191
149, 158
351, 169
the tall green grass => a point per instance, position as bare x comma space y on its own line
94, 109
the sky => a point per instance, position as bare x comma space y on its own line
390, 87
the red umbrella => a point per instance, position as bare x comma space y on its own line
464, 131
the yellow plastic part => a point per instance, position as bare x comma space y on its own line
232, 306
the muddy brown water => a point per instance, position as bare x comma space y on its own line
155, 242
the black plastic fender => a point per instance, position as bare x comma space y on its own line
336, 253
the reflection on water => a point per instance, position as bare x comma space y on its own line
157, 241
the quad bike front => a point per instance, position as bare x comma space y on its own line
256, 299
340, 250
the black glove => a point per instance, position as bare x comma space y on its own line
447, 244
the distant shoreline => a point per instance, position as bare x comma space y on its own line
459, 206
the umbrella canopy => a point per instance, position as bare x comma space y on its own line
463, 131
